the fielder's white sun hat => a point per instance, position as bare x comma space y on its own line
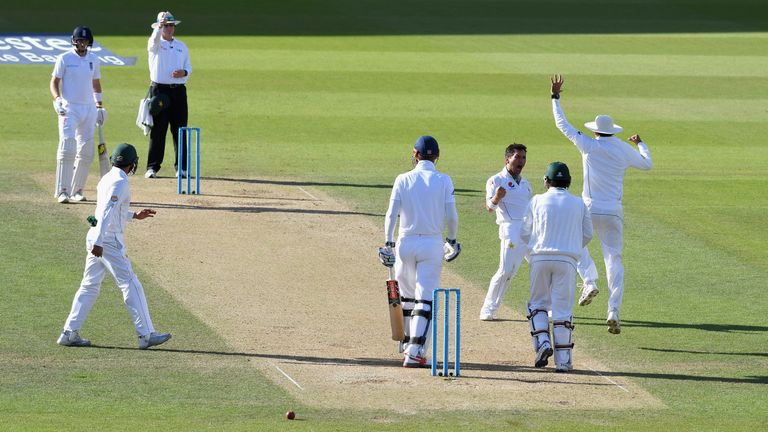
169, 19
603, 124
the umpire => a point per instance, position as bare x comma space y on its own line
169, 69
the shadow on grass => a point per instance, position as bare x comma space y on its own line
401, 17
316, 183
723, 328
741, 353
396, 363
250, 209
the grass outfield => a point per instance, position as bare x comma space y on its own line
332, 95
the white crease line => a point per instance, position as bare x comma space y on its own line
309, 194
609, 380
289, 377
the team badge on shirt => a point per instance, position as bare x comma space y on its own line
114, 198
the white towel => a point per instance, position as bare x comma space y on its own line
144, 118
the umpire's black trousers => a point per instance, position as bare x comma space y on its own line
176, 115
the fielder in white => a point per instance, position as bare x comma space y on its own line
76, 90
557, 227
605, 159
507, 194
424, 200
107, 253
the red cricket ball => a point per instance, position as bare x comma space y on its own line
290, 415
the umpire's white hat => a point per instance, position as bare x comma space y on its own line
604, 124
169, 19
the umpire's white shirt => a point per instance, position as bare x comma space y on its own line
77, 75
605, 160
556, 223
166, 57
424, 199
112, 208
511, 208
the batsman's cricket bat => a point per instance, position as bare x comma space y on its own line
103, 156
395, 307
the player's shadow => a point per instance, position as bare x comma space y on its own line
251, 209
467, 367
722, 328
319, 183
730, 353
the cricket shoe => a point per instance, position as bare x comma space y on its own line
72, 338
563, 367
153, 339
416, 361
486, 315
614, 324
150, 173
543, 354
183, 174
588, 292
62, 198
78, 197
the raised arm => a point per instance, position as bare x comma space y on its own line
579, 139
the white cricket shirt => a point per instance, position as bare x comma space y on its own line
77, 75
166, 57
113, 204
605, 160
556, 223
425, 200
511, 208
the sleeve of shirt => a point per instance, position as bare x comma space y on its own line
586, 226
526, 228
154, 41
641, 158
58, 68
451, 220
390, 220
583, 143
187, 62
96, 68
451, 215
105, 217
490, 191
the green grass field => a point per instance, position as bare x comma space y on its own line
332, 95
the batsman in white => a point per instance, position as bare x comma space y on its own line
424, 200
107, 253
556, 227
76, 90
507, 195
605, 159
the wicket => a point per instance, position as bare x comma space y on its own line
446, 327
185, 140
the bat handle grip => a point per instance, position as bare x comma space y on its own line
391, 272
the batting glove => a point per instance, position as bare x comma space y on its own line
101, 116
387, 254
452, 249
58, 106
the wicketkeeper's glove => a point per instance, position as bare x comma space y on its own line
452, 249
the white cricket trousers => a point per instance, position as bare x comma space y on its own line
553, 284
417, 270
610, 230
512, 252
114, 261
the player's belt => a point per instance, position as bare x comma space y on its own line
167, 85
